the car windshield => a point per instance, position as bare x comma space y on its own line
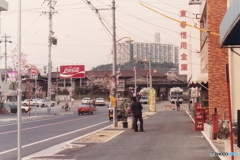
86, 98
99, 99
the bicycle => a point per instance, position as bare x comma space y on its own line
63, 108
68, 109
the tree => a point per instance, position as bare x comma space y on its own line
101, 83
161, 67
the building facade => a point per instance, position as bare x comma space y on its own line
217, 57
158, 52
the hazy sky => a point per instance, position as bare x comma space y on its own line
82, 39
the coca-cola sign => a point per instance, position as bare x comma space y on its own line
72, 71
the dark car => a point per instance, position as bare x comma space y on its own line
85, 108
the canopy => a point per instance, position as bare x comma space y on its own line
202, 78
230, 25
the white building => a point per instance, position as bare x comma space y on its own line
140, 51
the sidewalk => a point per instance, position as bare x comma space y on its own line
169, 135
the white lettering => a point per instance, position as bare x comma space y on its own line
71, 70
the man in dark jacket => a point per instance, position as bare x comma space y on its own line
178, 104
136, 109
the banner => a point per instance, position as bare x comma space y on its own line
151, 100
72, 71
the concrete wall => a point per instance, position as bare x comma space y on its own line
234, 67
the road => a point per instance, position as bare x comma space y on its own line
169, 135
43, 133
39, 134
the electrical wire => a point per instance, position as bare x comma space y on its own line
214, 33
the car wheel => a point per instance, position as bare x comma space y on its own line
43, 105
92, 113
24, 111
82, 113
53, 104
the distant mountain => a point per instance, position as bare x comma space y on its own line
160, 67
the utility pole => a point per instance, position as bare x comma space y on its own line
51, 40
19, 89
5, 54
115, 122
150, 72
57, 81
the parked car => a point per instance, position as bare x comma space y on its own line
144, 100
31, 101
100, 101
86, 100
53, 103
85, 108
25, 109
42, 103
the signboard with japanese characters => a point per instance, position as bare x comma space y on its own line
183, 44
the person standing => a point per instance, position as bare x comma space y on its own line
136, 109
178, 105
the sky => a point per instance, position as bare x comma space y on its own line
82, 37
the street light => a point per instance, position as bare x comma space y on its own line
19, 93
150, 73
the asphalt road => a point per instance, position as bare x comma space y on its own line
169, 135
40, 134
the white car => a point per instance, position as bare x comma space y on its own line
86, 100
144, 100
31, 101
42, 103
25, 109
99, 102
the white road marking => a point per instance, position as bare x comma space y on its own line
59, 147
13, 122
7, 151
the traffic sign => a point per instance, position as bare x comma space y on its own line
34, 70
